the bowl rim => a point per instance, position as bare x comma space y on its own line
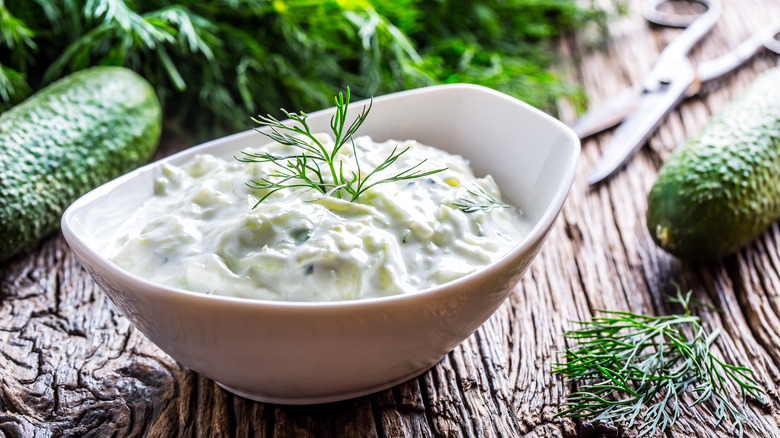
534, 235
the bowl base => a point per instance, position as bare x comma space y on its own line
319, 399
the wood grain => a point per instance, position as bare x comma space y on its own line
71, 365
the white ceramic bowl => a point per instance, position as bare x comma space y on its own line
300, 353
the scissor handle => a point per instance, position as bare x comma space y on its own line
768, 38
673, 19
666, 67
772, 42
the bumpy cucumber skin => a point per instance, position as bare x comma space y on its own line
67, 139
721, 189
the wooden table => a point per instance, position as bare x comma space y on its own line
71, 365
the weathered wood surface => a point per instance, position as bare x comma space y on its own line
71, 365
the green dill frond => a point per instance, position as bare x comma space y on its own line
303, 170
212, 62
638, 371
13, 87
483, 201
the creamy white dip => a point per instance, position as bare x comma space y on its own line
199, 231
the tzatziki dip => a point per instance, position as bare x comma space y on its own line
204, 231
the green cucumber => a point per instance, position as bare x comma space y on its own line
67, 139
721, 189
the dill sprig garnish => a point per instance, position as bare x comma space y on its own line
485, 202
306, 168
639, 371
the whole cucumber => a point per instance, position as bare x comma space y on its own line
721, 189
67, 139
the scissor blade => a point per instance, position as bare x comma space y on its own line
607, 114
637, 128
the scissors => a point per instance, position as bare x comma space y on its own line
639, 110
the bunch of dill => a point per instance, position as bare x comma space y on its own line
643, 371
213, 62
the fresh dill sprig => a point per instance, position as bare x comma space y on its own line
485, 202
306, 169
639, 371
